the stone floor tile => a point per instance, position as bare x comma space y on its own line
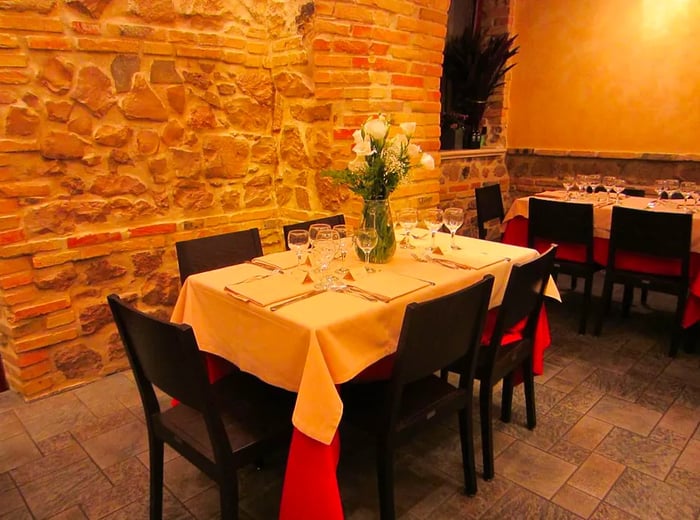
458, 505
10, 400
48, 465
72, 513
56, 443
690, 397
640, 453
620, 385
596, 475
10, 501
588, 432
551, 427
118, 444
668, 437
684, 369
582, 398
10, 425
533, 469
576, 501
680, 419
63, 489
608, 512
680, 478
661, 394
521, 503
569, 452
53, 415
646, 497
626, 415
184, 480
690, 457
103, 424
120, 390
172, 510
16, 451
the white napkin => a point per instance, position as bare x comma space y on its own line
269, 290
388, 286
282, 260
466, 259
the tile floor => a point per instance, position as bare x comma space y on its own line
617, 438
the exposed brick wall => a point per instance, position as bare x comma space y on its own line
126, 125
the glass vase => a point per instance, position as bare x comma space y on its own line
377, 214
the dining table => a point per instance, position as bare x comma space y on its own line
515, 231
281, 322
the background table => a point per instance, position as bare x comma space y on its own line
314, 345
515, 232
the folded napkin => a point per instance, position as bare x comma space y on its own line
269, 290
466, 260
282, 260
558, 195
387, 286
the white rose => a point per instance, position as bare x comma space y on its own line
408, 129
427, 161
357, 136
363, 148
413, 150
376, 128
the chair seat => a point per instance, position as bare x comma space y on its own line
421, 400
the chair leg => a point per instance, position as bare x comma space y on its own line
529, 383
573, 282
605, 307
587, 289
228, 496
627, 296
466, 438
678, 327
486, 413
385, 481
507, 398
155, 460
444, 373
645, 294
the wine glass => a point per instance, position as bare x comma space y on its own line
433, 221
582, 183
325, 245
298, 240
313, 231
619, 187
366, 239
568, 183
346, 234
453, 218
408, 218
687, 189
593, 182
659, 188
609, 184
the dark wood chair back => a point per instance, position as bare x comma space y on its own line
213, 252
332, 220
557, 222
489, 206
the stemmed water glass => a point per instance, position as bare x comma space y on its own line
672, 186
298, 240
609, 184
366, 239
687, 189
582, 183
408, 218
619, 187
433, 221
325, 245
453, 218
593, 182
313, 231
568, 183
346, 235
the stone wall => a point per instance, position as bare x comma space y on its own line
127, 125
531, 171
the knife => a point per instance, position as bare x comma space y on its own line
297, 299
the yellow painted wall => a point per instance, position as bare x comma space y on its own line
606, 75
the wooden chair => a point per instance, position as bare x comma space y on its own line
434, 334
571, 226
213, 252
218, 427
332, 220
510, 348
664, 237
489, 206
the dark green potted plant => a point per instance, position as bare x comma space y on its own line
474, 67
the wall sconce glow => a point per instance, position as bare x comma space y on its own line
660, 16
